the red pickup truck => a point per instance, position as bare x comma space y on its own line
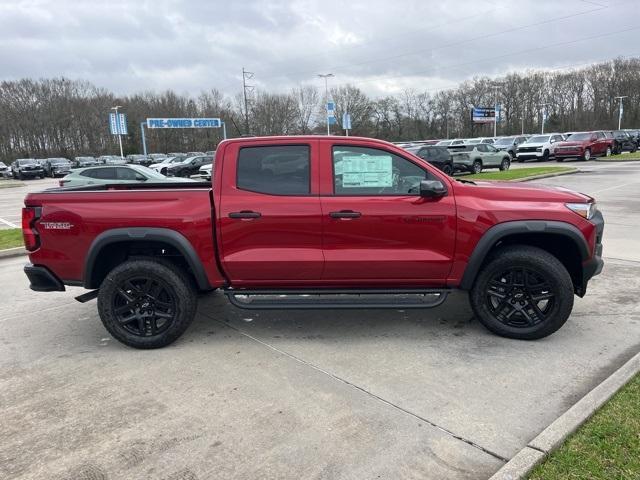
584, 145
315, 222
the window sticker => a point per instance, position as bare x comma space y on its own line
365, 171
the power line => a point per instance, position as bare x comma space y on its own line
447, 45
528, 50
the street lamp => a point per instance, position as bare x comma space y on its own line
119, 138
544, 112
620, 110
326, 76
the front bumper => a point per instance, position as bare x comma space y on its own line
573, 153
31, 173
593, 266
529, 155
42, 279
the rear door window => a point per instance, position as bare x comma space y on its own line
282, 170
100, 173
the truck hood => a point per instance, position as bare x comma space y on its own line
571, 144
537, 144
525, 191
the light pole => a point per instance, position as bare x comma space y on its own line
620, 110
495, 108
326, 76
544, 116
119, 138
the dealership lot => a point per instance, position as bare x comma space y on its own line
333, 394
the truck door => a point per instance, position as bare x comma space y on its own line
377, 228
269, 217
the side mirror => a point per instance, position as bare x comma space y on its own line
432, 189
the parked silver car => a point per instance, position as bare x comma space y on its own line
475, 158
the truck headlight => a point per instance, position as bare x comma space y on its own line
539, 149
585, 210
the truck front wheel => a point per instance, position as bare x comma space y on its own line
522, 292
147, 303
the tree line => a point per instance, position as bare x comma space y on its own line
63, 117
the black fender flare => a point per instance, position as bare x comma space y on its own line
139, 234
502, 230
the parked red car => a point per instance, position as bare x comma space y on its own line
315, 222
584, 145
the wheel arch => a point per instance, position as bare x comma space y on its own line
113, 247
561, 239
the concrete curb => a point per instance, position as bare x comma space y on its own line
13, 252
544, 175
567, 423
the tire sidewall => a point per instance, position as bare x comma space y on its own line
505, 165
539, 261
179, 286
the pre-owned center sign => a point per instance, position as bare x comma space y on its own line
184, 123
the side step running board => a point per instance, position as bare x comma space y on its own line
303, 299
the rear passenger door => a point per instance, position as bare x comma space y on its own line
269, 217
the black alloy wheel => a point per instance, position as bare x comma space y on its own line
144, 306
147, 302
520, 297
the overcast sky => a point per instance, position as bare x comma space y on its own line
382, 46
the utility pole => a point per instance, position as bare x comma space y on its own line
119, 137
246, 76
620, 110
544, 114
522, 125
326, 76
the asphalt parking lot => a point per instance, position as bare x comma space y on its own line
329, 394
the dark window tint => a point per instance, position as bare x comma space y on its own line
100, 173
127, 174
482, 148
369, 171
275, 170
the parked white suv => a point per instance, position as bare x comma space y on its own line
539, 147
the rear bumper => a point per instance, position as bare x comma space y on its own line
42, 279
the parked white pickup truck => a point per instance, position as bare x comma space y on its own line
539, 147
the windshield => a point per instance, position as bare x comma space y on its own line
27, 162
444, 143
473, 141
504, 141
539, 139
579, 137
58, 160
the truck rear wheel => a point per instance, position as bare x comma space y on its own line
522, 292
147, 303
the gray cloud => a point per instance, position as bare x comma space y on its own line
381, 46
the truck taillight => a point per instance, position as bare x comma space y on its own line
29, 231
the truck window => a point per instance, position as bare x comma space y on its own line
369, 171
280, 170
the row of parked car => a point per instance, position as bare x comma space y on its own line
475, 154
173, 164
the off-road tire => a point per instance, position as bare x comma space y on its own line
178, 291
476, 167
527, 258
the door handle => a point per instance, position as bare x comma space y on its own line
345, 214
245, 214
